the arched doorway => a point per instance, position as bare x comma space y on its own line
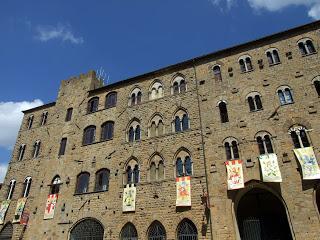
262, 216
129, 232
87, 229
6, 232
156, 231
187, 230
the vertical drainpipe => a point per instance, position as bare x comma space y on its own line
202, 143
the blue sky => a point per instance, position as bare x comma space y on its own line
44, 42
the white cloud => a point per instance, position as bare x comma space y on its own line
3, 171
61, 32
10, 120
277, 5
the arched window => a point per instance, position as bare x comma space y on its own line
285, 95
245, 63
87, 229
273, 56
44, 118
231, 148
107, 131
22, 149
102, 180
306, 46
316, 83
223, 112
134, 131
135, 96
187, 230
111, 100
26, 187
254, 101
6, 232
36, 149
179, 84
264, 143
299, 137
156, 168
11, 187
89, 135
183, 164
156, 126
55, 185
129, 232
30, 121
93, 105
69, 114
217, 73
132, 172
181, 121
82, 182
156, 231
156, 90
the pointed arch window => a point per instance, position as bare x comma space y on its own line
11, 188
89, 135
285, 95
306, 46
93, 105
36, 149
273, 56
299, 137
55, 185
107, 130
44, 118
223, 112
82, 183
181, 121
30, 121
26, 187
231, 148
111, 100
264, 143
134, 131
179, 85
156, 168
21, 151
132, 172
135, 96
184, 164
102, 180
156, 231
129, 232
187, 230
217, 73
156, 90
156, 126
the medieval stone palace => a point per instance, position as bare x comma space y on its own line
222, 146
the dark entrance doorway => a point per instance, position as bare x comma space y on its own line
262, 216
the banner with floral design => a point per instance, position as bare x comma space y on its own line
129, 199
19, 209
183, 191
3, 210
269, 168
308, 162
234, 174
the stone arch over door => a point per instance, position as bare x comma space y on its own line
6, 232
260, 213
88, 228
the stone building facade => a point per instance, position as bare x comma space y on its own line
187, 119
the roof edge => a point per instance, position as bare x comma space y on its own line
39, 107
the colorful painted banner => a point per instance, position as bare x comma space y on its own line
183, 191
50, 206
234, 174
308, 163
129, 199
3, 210
19, 209
269, 168
25, 217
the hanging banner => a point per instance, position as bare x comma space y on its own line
25, 217
129, 199
19, 209
234, 174
3, 210
183, 191
269, 168
50, 206
308, 162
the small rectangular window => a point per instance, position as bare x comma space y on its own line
63, 145
69, 114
